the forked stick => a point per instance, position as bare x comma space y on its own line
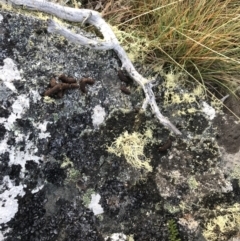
109, 42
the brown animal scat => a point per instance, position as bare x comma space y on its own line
53, 82
83, 87
59, 88
88, 81
166, 145
60, 94
66, 79
123, 77
83, 82
53, 90
125, 90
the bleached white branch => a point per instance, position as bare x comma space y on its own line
109, 42
54, 27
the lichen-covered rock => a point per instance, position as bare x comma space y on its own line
55, 168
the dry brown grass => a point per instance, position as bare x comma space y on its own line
199, 36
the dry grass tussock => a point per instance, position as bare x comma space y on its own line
201, 37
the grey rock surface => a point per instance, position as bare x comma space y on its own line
57, 179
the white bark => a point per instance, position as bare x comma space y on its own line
109, 42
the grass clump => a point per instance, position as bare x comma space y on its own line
200, 37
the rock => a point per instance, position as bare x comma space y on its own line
53, 151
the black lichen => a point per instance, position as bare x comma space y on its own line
54, 173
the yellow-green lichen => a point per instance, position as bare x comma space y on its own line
87, 197
134, 45
226, 224
130, 237
66, 162
235, 174
73, 175
148, 134
192, 182
48, 100
216, 103
131, 146
158, 206
171, 208
7, 7
174, 96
